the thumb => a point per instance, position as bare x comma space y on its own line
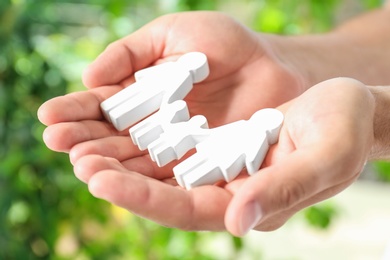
127, 55
272, 190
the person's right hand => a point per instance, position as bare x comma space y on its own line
245, 77
246, 73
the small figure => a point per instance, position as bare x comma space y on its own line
177, 139
154, 87
230, 148
150, 129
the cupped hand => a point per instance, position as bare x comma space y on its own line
326, 139
245, 76
324, 142
245, 72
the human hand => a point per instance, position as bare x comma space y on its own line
235, 55
326, 139
245, 77
323, 145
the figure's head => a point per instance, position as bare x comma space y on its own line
196, 64
269, 119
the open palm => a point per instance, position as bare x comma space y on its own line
245, 74
245, 77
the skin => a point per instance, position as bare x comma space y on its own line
302, 169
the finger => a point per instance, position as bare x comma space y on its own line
88, 165
274, 221
77, 106
118, 147
62, 137
199, 209
278, 187
145, 166
123, 57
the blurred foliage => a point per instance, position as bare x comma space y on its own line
45, 213
382, 170
320, 215
288, 17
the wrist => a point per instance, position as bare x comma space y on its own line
357, 49
381, 145
313, 57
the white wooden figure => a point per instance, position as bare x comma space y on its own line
230, 148
178, 139
150, 129
154, 87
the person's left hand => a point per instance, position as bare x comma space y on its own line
324, 143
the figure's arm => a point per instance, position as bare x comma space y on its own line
358, 48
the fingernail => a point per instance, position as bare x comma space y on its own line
251, 215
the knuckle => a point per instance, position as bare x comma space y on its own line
291, 194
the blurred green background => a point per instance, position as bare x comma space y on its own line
45, 212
